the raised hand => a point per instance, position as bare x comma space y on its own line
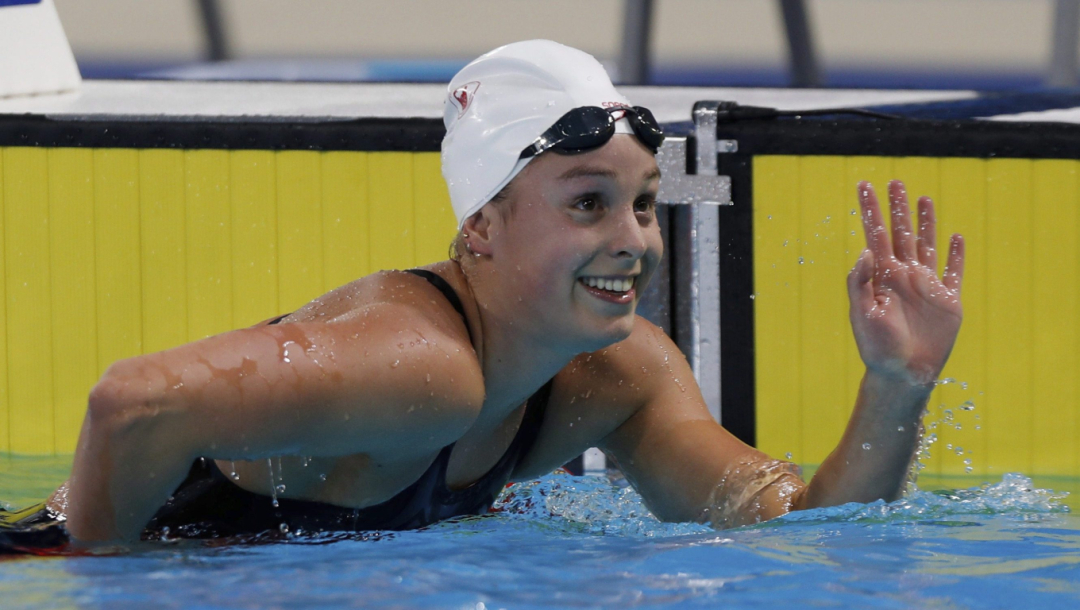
904, 316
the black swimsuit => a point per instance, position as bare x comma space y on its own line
208, 505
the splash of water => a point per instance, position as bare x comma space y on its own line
1015, 495
593, 505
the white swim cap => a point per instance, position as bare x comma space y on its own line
502, 102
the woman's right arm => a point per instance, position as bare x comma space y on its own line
391, 382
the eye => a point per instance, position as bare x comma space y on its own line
644, 204
586, 204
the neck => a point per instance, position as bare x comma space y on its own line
516, 357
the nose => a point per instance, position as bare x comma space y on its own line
629, 242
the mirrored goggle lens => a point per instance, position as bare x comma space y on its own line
584, 128
645, 126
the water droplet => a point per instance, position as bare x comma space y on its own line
787, 456
283, 528
395, 364
866, 446
801, 260
900, 429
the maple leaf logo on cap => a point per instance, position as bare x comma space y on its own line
463, 96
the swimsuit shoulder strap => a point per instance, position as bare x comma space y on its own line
435, 280
444, 287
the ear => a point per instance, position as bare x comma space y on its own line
480, 230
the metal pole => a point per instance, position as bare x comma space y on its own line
637, 27
1063, 62
804, 67
214, 29
705, 273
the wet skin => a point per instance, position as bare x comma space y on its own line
371, 380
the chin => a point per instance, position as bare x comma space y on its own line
606, 335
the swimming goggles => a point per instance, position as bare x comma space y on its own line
589, 127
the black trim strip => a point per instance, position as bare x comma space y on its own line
403, 135
738, 401
903, 138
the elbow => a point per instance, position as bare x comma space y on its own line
120, 401
108, 408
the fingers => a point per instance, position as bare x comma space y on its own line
927, 234
903, 236
877, 240
954, 268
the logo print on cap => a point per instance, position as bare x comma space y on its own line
463, 96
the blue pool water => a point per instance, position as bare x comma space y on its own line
585, 543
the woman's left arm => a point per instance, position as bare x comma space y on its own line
905, 320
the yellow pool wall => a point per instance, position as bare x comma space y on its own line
111, 253
1017, 354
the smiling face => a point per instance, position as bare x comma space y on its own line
577, 242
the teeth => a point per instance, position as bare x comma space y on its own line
612, 285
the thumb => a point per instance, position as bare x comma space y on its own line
860, 287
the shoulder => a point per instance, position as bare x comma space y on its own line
402, 326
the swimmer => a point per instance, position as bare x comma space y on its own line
409, 397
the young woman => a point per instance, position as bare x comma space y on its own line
407, 397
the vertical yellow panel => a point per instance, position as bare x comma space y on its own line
777, 321
1010, 322
117, 255
1056, 271
390, 215
345, 217
26, 258
164, 264
825, 328
74, 306
253, 188
5, 402
300, 228
209, 249
921, 176
963, 209
436, 224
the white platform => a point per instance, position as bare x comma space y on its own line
186, 100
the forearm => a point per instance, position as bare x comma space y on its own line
874, 456
127, 463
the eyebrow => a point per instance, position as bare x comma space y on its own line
585, 171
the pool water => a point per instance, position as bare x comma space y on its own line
582, 542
